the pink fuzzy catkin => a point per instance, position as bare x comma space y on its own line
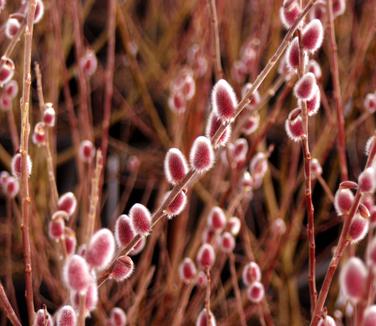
353, 279
256, 292
118, 317
205, 256
66, 316
343, 200
122, 268
76, 273
251, 273
206, 319
141, 219
305, 87
217, 219
175, 166
124, 232
212, 126
187, 270
68, 203
312, 35
177, 205
224, 100
201, 156
100, 249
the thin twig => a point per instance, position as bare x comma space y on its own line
7, 307
216, 52
25, 131
337, 92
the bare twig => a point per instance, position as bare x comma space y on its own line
25, 131
6, 306
216, 52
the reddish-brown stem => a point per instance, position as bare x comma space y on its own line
308, 190
109, 76
25, 131
340, 248
216, 52
341, 144
49, 160
7, 307
234, 279
84, 108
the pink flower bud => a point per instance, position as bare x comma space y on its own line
226, 242
87, 151
16, 165
247, 181
66, 316
49, 115
141, 219
6, 70
284, 69
187, 270
101, 249
279, 226
313, 105
251, 273
212, 126
339, 7
316, 168
56, 229
201, 156
122, 268
371, 254
289, 13
363, 211
254, 99
76, 273
293, 54
185, 84
140, 245
251, 124
353, 279
327, 321
314, 68
369, 317
312, 35
5, 102
372, 216
39, 134
177, 103
240, 150
367, 180
256, 292
12, 26
233, 225
42, 318
177, 205
248, 55
348, 185
202, 280
238, 71
118, 317
294, 125
39, 11
175, 166
367, 200
91, 298
258, 166
11, 89
206, 319
68, 203
370, 102
318, 11
124, 232
343, 201
4, 175
305, 87
205, 256
208, 235
89, 63
217, 219
224, 100
358, 228
11, 187
70, 241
